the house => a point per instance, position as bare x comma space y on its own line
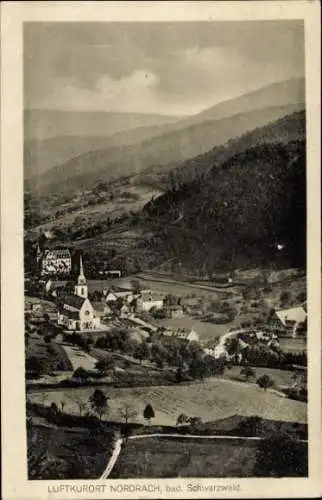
288, 321
113, 295
107, 310
54, 261
113, 273
175, 311
125, 311
148, 300
76, 312
186, 334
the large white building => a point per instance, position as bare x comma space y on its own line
54, 262
75, 312
148, 300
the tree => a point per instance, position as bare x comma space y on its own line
136, 286
128, 412
265, 382
103, 365
195, 421
182, 419
54, 408
80, 373
148, 413
285, 297
142, 351
62, 404
80, 403
197, 368
98, 402
33, 364
247, 372
280, 455
179, 375
250, 426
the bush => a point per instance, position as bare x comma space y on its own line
81, 373
265, 382
281, 456
34, 365
247, 372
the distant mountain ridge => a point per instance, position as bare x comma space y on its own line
45, 123
162, 151
62, 136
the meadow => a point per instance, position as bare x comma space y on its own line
162, 457
211, 399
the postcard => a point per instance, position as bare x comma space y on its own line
161, 250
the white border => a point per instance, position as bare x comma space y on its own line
15, 484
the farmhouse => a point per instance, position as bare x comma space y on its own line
75, 312
289, 321
113, 294
148, 300
186, 334
125, 311
175, 311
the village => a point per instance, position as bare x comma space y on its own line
150, 314
127, 359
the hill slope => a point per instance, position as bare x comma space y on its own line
288, 128
161, 152
55, 137
238, 213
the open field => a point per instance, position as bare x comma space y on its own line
93, 214
70, 453
212, 399
78, 358
280, 377
161, 457
178, 289
293, 345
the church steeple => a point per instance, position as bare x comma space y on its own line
81, 288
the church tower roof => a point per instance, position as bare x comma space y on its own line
81, 277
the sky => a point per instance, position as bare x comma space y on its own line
177, 68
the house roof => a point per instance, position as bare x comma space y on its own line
181, 334
73, 301
294, 314
71, 314
150, 296
58, 253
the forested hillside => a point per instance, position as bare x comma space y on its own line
239, 212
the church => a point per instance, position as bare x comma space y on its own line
75, 312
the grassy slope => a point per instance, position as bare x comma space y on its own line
211, 399
52, 358
160, 457
81, 454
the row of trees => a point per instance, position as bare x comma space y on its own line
99, 404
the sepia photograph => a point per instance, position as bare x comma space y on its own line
165, 259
